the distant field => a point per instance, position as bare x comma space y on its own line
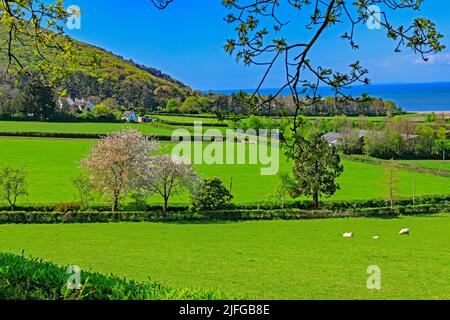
428, 164
52, 164
187, 119
90, 127
306, 259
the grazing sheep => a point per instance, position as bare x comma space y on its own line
348, 235
404, 232
376, 237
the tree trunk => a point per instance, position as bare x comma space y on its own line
316, 200
166, 205
116, 204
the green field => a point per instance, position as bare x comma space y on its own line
52, 164
428, 164
306, 259
186, 119
90, 127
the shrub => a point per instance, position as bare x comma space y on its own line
33, 279
22, 217
67, 207
211, 195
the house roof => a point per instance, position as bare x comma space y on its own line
127, 114
332, 137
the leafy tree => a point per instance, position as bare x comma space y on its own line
168, 176
37, 99
316, 168
210, 195
102, 111
426, 142
172, 105
284, 187
190, 105
36, 25
117, 161
84, 191
442, 143
12, 185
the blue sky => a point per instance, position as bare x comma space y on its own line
186, 41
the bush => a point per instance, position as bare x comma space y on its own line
22, 217
67, 207
33, 279
211, 195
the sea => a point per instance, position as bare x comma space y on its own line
411, 97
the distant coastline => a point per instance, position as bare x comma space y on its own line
411, 97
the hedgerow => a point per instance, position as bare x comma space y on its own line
302, 205
33, 279
23, 217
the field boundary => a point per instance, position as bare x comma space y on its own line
306, 205
30, 278
22, 217
442, 173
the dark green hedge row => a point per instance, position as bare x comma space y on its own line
75, 207
32, 279
302, 205
23, 217
353, 204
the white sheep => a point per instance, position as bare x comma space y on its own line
348, 235
404, 232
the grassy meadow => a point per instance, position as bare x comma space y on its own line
306, 259
52, 164
428, 164
91, 128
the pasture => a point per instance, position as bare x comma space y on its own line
52, 164
306, 259
428, 164
91, 128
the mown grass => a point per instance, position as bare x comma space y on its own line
52, 164
428, 164
306, 259
186, 119
91, 128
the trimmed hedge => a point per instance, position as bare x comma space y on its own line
75, 207
22, 217
33, 279
302, 205
345, 205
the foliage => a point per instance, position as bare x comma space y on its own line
210, 195
117, 161
167, 176
33, 279
84, 189
36, 99
316, 168
190, 105
12, 185
401, 139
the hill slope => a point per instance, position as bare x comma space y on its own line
102, 73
